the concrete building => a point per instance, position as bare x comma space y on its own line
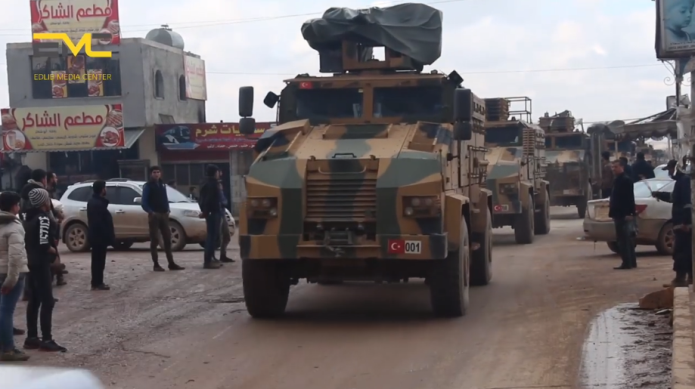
148, 79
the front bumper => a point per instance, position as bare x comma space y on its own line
291, 247
604, 231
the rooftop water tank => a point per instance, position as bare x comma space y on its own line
166, 36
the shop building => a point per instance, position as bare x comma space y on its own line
186, 149
71, 102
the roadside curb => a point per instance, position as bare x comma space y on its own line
683, 362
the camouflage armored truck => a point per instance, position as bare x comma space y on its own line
568, 163
516, 170
372, 174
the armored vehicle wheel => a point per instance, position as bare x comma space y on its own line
542, 222
450, 279
523, 225
481, 260
266, 288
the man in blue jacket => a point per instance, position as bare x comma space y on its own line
681, 217
156, 203
623, 212
101, 233
210, 202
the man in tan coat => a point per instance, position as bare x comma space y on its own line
13, 270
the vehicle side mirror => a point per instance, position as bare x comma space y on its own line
271, 99
137, 200
246, 101
247, 126
468, 107
463, 131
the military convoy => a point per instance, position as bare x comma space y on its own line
568, 162
516, 169
374, 173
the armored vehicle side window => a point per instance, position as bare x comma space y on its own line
569, 142
504, 136
417, 102
625, 146
548, 142
329, 103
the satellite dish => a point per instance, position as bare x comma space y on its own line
617, 126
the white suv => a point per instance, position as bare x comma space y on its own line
129, 219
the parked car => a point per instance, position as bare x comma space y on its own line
129, 219
653, 218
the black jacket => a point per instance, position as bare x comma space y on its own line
154, 197
40, 237
681, 208
642, 167
210, 201
622, 201
100, 222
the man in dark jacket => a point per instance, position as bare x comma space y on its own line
641, 169
681, 217
101, 232
211, 207
156, 203
622, 211
40, 230
627, 168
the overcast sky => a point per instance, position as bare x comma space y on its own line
500, 47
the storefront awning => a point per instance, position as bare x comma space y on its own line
131, 136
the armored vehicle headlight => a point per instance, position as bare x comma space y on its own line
266, 203
255, 203
421, 206
273, 212
262, 207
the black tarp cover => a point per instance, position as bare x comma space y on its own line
411, 29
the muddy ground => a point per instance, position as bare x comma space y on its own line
527, 329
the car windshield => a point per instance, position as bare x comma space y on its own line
329, 103
420, 101
174, 195
644, 189
503, 136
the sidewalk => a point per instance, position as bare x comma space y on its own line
683, 370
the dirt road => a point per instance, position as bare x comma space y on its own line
190, 329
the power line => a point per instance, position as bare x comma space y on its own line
212, 23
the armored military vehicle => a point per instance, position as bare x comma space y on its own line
516, 169
373, 173
567, 162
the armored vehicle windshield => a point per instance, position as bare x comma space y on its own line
565, 142
509, 135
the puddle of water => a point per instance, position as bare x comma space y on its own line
627, 348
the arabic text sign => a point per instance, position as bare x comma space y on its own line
52, 49
675, 29
62, 128
196, 87
207, 136
77, 18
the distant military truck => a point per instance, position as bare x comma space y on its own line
516, 170
373, 174
567, 162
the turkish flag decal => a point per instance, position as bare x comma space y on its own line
396, 246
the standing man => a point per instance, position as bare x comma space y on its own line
225, 235
156, 203
58, 267
13, 271
211, 207
39, 239
52, 184
681, 216
627, 168
101, 232
622, 211
641, 169
607, 175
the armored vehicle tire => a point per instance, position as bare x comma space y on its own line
523, 225
481, 260
266, 288
664, 245
450, 279
542, 222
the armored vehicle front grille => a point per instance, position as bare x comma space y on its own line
341, 200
